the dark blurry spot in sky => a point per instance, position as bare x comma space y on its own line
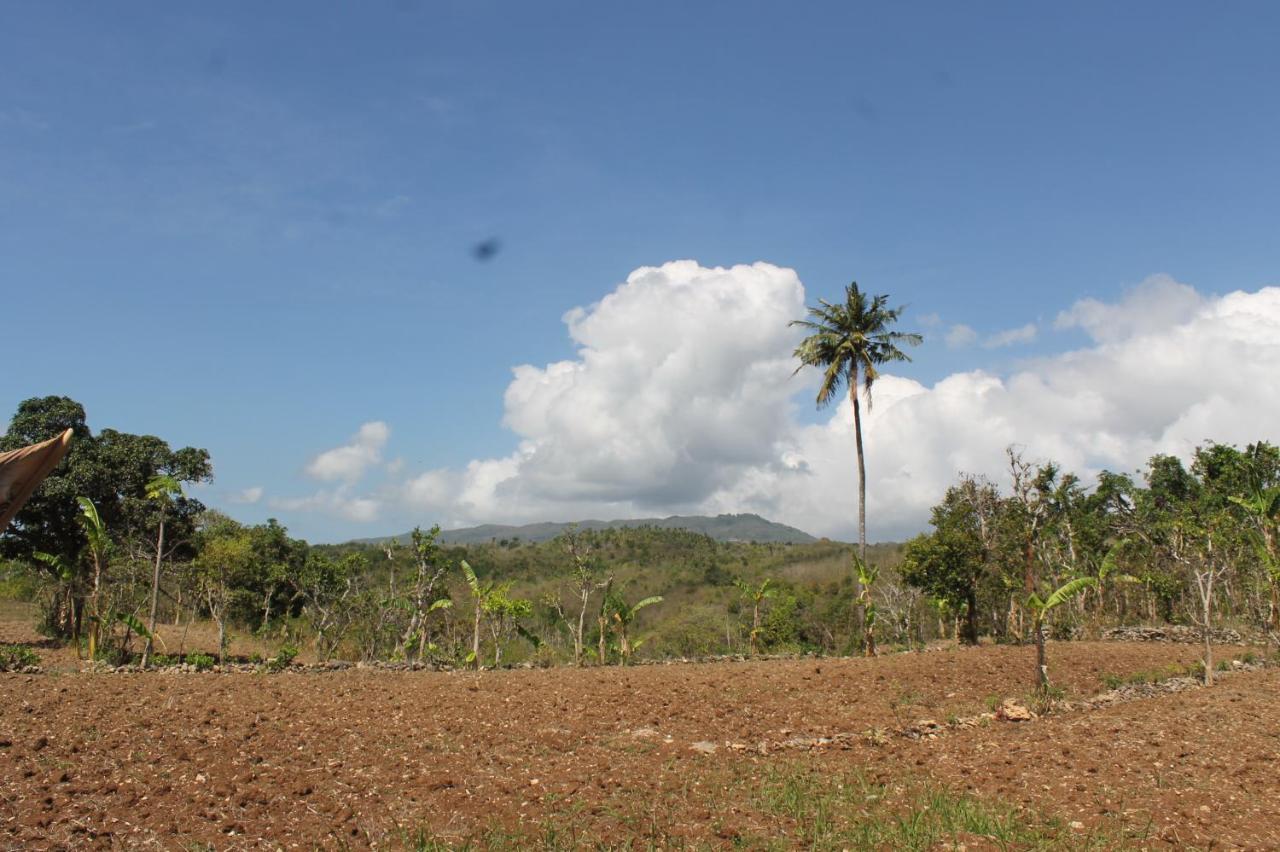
216, 62
865, 109
943, 78
487, 249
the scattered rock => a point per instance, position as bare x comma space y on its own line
704, 747
1012, 711
1169, 633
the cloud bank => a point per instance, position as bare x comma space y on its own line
681, 398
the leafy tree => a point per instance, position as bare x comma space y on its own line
430, 567
1029, 507
948, 563
504, 613
50, 521
277, 561
583, 571
328, 587
849, 342
1263, 508
226, 560
113, 470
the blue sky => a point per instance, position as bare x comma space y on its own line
250, 225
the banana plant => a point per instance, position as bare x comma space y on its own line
483, 594
1041, 607
623, 615
757, 595
160, 490
425, 646
95, 532
65, 573
866, 580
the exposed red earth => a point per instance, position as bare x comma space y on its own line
369, 758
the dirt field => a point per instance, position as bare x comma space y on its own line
652, 756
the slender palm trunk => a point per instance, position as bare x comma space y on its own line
862, 495
475, 638
155, 595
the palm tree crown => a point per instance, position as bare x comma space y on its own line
851, 340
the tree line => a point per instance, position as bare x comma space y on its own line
113, 544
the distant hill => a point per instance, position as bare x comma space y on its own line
721, 528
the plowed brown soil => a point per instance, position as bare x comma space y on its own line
368, 758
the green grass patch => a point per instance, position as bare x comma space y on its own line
17, 657
202, 662
795, 807
851, 811
1114, 681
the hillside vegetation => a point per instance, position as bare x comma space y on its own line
744, 527
112, 538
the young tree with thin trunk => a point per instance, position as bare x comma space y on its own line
583, 573
160, 490
429, 566
849, 342
1030, 488
226, 558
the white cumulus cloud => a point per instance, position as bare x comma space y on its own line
681, 383
349, 462
1154, 305
248, 496
1011, 337
960, 335
339, 501
680, 398
1160, 387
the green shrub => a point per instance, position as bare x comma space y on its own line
17, 657
202, 662
283, 659
163, 660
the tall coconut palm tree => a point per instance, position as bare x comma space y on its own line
849, 341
